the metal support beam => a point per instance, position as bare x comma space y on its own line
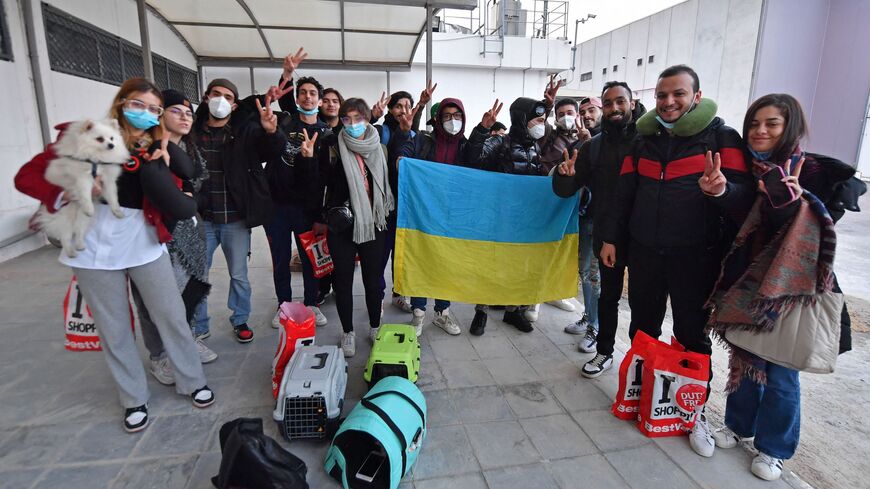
313, 64
200, 81
36, 71
389, 90
428, 51
341, 18
257, 25
253, 87
146, 39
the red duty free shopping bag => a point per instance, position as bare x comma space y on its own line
297, 329
81, 330
631, 375
674, 391
318, 253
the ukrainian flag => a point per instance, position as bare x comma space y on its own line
480, 237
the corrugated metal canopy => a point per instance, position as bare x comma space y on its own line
362, 34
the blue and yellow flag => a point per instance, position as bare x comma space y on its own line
481, 237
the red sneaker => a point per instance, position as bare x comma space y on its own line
244, 334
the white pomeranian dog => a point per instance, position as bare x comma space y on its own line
86, 150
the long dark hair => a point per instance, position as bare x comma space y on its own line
133, 85
795, 128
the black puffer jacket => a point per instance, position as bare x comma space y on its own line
514, 152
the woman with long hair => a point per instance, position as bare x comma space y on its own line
790, 218
132, 247
358, 201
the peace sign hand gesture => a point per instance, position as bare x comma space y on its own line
292, 61
380, 107
268, 119
489, 117
551, 90
406, 119
713, 181
307, 147
582, 132
566, 168
275, 93
791, 178
426, 94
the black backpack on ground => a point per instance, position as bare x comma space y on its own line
252, 460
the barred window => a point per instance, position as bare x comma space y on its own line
78, 48
5, 44
586, 76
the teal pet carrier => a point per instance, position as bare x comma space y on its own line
380, 440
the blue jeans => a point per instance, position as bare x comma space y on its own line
420, 303
589, 277
290, 220
771, 413
235, 241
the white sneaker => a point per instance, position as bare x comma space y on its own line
726, 438
348, 344
161, 369
595, 367
445, 321
319, 318
766, 467
206, 354
373, 334
701, 439
417, 320
589, 343
402, 303
276, 321
532, 313
563, 304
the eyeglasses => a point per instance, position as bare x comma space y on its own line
456, 116
181, 113
140, 105
348, 121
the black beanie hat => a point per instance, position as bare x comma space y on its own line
223, 82
525, 109
174, 97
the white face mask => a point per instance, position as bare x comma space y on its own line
536, 132
452, 127
219, 108
566, 122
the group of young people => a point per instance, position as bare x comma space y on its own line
662, 194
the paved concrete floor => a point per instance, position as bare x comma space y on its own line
506, 410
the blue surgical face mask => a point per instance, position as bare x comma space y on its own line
141, 119
761, 155
355, 130
313, 111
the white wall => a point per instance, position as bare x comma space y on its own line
67, 97
458, 68
715, 37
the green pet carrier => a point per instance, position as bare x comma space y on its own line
396, 351
380, 440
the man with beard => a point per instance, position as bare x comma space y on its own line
598, 162
589, 114
233, 144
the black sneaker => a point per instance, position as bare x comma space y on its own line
595, 367
518, 320
136, 419
202, 397
478, 324
321, 297
243, 333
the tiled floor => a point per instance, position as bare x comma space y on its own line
506, 410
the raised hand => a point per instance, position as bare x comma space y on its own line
552, 90
268, 119
292, 61
491, 115
380, 106
582, 132
426, 94
567, 166
713, 181
791, 178
163, 150
406, 119
275, 93
307, 147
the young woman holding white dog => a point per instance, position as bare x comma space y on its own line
132, 246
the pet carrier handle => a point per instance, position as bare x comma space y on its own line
403, 396
321, 357
401, 337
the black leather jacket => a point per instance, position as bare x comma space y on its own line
502, 154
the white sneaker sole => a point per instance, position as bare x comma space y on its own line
137, 429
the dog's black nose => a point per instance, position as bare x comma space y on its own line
111, 146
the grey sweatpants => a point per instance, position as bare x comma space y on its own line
106, 293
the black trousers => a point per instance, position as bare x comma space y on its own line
344, 251
608, 306
687, 276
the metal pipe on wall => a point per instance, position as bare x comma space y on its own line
36, 71
146, 40
428, 51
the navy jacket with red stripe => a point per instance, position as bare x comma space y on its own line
660, 203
